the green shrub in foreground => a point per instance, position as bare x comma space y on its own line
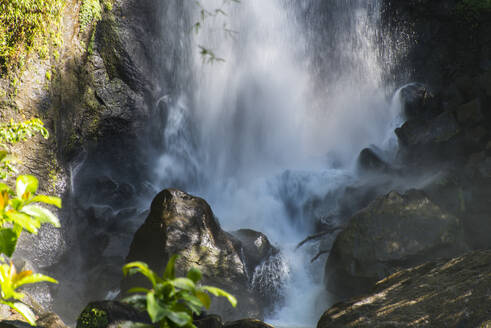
172, 302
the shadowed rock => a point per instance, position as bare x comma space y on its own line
393, 231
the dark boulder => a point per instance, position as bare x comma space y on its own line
370, 161
209, 321
105, 313
444, 293
247, 323
393, 231
418, 102
182, 224
256, 247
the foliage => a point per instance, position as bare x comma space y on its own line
26, 25
475, 4
172, 301
93, 318
207, 54
10, 280
13, 132
90, 12
20, 210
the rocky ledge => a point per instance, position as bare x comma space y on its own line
442, 293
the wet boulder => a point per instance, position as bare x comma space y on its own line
418, 102
182, 224
256, 247
443, 293
394, 231
370, 161
104, 314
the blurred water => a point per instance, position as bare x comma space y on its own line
278, 123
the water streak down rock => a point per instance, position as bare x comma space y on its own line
182, 224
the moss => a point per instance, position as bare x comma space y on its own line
90, 12
27, 25
93, 318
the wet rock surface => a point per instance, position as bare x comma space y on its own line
443, 293
182, 224
393, 231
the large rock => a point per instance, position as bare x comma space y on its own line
110, 313
393, 231
444, 293
182, 224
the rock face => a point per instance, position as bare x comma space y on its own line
444, 293
393, 231
179, 223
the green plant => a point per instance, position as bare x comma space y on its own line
90, 11
20, 210
27, 25
10, 280
172, 302
12, 133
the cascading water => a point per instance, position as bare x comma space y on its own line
277, 124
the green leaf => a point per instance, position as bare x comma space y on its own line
170, 271
24, 220
194, 274
192, 302
8, 241
220, 292
26, 183
138, 290
3, 187
51, 200
155, 310
25, 311
42, 214
138, 301
180, 318
204, 298
34, 278
141, 267
183, 283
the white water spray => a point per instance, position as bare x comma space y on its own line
261, 134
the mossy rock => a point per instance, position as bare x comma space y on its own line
104, 313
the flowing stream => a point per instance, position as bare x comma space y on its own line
276, 124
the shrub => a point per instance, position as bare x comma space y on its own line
172, 302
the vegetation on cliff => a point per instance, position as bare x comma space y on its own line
27, 25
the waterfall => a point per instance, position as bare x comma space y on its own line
275, 125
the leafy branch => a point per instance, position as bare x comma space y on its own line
172, 302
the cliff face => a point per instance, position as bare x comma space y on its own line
94, 92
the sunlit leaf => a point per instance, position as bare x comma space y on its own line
24, 220
220, 292
32, 279
51, 200
42, 214
25, 311
204, 298
141, 267
26, 183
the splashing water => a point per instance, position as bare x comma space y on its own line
277, 124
